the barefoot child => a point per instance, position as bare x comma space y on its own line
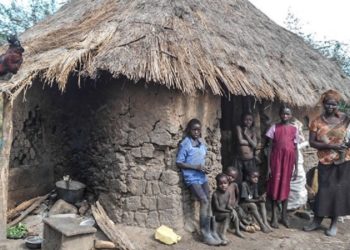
247, 144
251, 201
221, 205
232, 175
282, 159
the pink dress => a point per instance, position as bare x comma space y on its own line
282, 160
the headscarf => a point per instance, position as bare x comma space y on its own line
330, 94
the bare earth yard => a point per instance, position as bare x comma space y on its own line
282, 238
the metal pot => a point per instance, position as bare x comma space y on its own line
33, 242
70, 191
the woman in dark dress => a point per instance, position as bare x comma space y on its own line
327, 134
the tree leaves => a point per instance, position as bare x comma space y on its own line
16, 18
332, 49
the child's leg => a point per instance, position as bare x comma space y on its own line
254, 210
204, 217
235, 220
274, 219
223, 232
263, 213
285, 220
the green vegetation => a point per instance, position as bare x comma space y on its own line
16, 18
17, 232
332, 49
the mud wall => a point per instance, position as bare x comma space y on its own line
118, 138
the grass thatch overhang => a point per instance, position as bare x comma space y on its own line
184, 44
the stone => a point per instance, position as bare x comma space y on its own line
137, 137
136, 152
141, 218
136, 187
84, 208
152, 174
149, 203
161, 138
152, 220
166, 202
128, 218
120, 158
169, 217
66, 234
167, 189
170, 177
133, 203
137, 172
147, 150
103, 244
155, 187
62, 207
121, 186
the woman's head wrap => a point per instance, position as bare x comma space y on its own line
331, 95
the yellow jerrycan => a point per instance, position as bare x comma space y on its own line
166, 235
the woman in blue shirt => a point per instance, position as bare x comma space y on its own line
191, 159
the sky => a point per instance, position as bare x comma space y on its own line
326, 19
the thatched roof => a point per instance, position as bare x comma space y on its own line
182, 44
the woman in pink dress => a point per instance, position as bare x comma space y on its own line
282, 157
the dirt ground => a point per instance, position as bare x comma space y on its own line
290, 239
282, 238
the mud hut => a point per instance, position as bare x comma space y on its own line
107, 87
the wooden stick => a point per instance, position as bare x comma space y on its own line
23, 206
117, 236
28, 210
133, 41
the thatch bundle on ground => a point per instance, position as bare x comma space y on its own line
121, 138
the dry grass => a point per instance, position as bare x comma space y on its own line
185, 44
1, 112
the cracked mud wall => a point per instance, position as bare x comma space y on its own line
119, 138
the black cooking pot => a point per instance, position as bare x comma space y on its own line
70, 191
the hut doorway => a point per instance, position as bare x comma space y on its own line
232, 109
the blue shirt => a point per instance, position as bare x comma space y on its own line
193, 155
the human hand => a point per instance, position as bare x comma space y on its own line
262, 198
268, 175
245, 132
339, 146
295, 174
200, 167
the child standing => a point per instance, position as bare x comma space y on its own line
221, 205
247, 144
232, 175
282, 158
191, 160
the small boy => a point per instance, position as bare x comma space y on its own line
221, 205
250, 200
232, 175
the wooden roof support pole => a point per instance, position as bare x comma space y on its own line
4, 163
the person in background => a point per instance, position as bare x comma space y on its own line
298, 194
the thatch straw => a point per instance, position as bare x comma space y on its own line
185, 44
